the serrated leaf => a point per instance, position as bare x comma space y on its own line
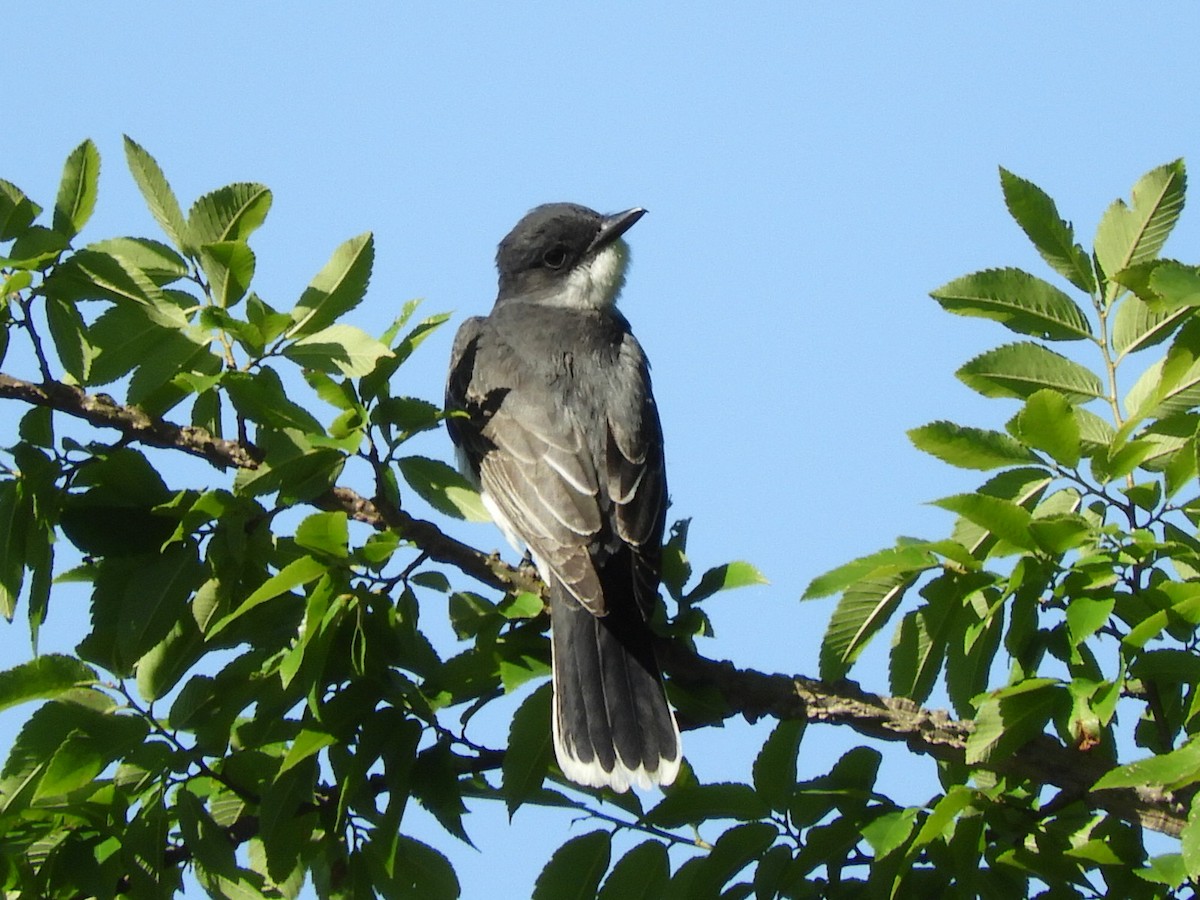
90, 275
530, 750
691, 804
1176, 285
1003, 518
295, 574
1136, 326
325, 532
443, 488
919, 648
1172, 385
969, 448
575, 869
338, 349
774, 769
43, 678
156, 260
230, 213
337, 288
1018, 300
229, 266
1128, 235
864, 608
1054, 238
1047, 423
904, 558
17, 211
261, 398
77, 190
1178, 767
70, 336
1022, 369
641, 874
1011, 717
157, 193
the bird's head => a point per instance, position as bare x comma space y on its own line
566, 255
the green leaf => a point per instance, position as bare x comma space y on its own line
1137, 326
1165, 771
1128, 235
89, 275
327, 533
1003, 518
295, 574
691, 804
420, 873
530, 750
864, 608
919, 645
890, 831
77, 190
229, 266
156, 260
157, 193
1019, 301
734, 851
231, 213
70, 338
1175, 285
43, 678
15, 513
641, 874
1048, 423
261, 398
969, 448
443, 488
1053, 237
575, 869
338, 349
1086, 616
87, 751
723, 578
904, 558
308, 742
1011, 717
1023, 369
292, 466
1173, 385
17, 211
337, 288
774, 768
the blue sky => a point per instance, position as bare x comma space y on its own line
811, 171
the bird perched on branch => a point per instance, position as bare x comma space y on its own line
562, 436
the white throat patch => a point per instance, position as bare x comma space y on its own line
596, 282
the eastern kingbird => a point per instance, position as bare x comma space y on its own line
563, 439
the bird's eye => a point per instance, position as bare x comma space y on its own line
555, 257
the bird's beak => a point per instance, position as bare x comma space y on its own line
612, 227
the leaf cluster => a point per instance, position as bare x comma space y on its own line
1063, 604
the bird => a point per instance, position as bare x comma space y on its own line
554, 420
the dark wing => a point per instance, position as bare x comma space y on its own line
573, 497
636, 472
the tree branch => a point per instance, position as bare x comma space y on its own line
752, 694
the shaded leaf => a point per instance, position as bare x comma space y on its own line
1011, 717
443, 488
864, 608
530, 750
42, 678
575, 869
641, 874
774, 768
